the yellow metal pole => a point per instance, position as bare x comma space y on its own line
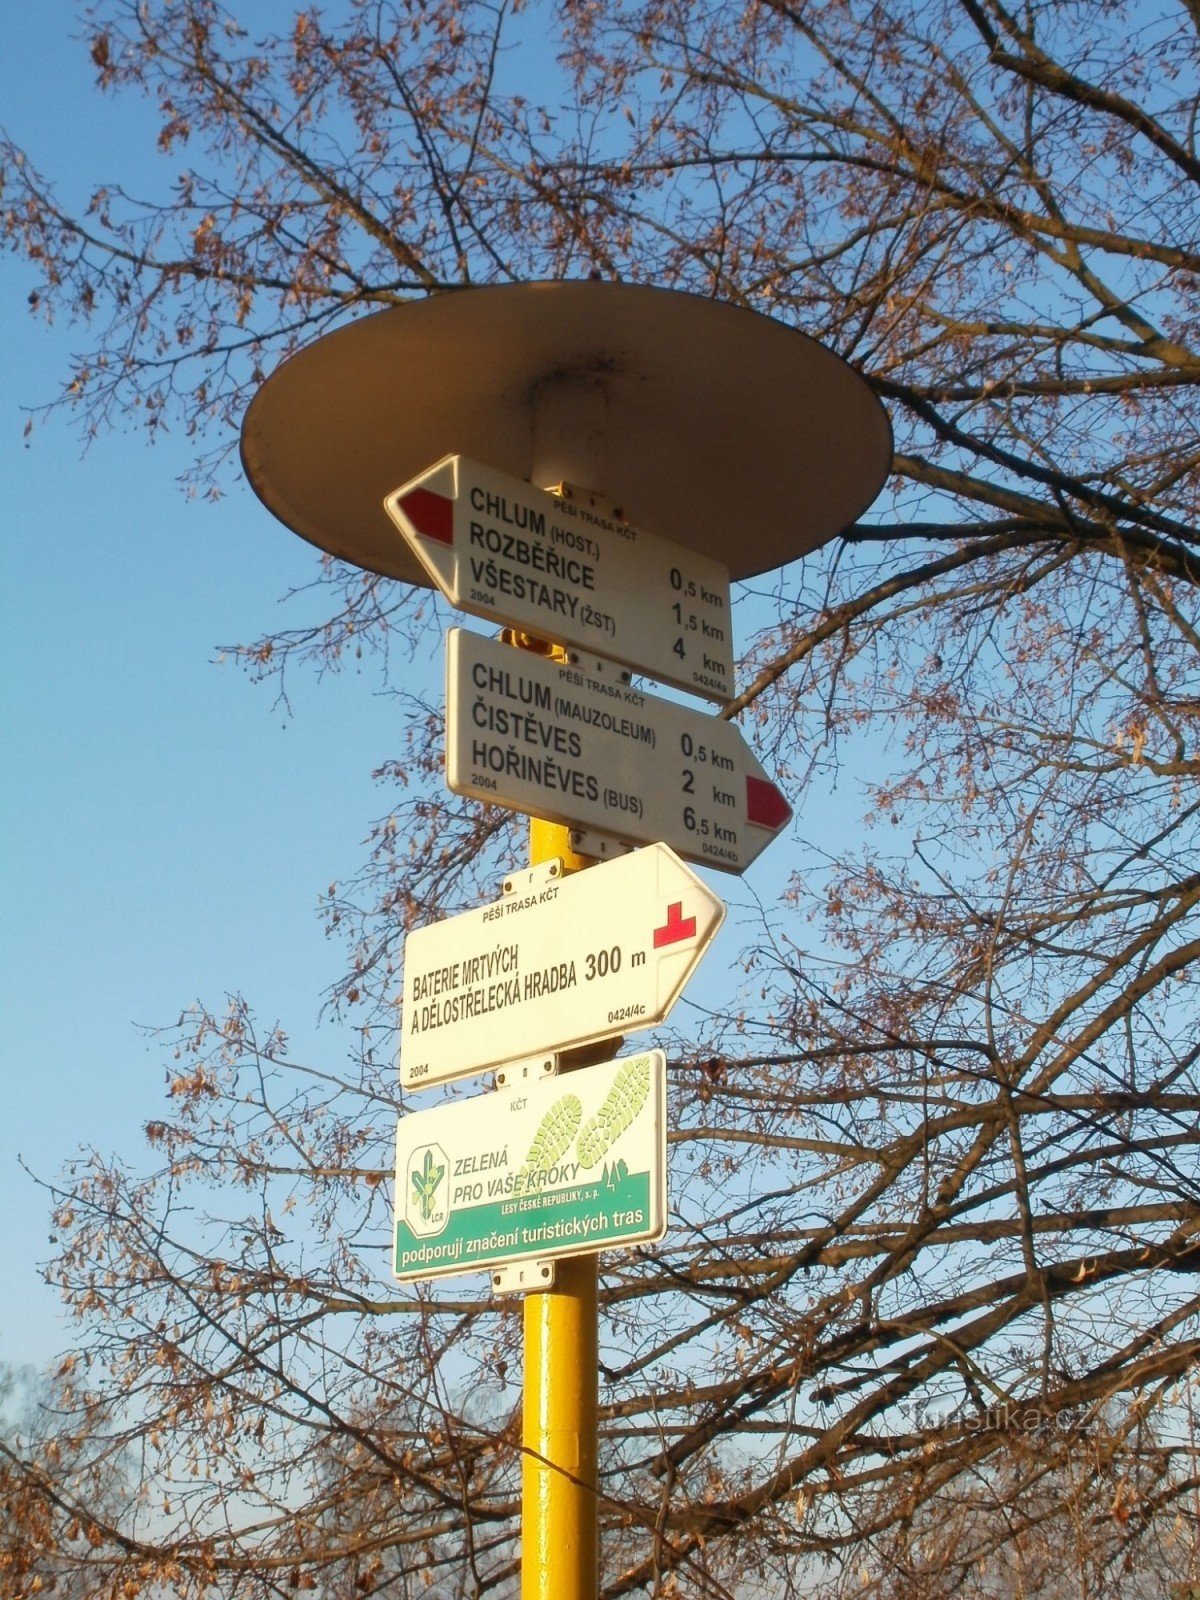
560, 1554
560, 1545
560, 1536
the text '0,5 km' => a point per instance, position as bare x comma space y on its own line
567, 572
575, 744
556, 963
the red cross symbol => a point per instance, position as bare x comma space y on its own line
677, 926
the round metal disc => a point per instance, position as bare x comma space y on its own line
707, 424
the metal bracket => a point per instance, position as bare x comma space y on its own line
592, 498
599, 666
523, 1277
600, 846
543, 1066
533, 877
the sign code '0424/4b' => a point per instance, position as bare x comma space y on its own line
575, 744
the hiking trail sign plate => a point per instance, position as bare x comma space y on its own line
561, 1166
549, 564
574, 744
558, 962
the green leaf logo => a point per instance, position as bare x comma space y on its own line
613, 1177
425, 1181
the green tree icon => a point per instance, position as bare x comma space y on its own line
425, 1181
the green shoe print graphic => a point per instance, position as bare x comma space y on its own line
555, 1132
621, 1105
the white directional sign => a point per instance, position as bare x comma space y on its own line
576, 745
559, 1166
558, 962
500, 549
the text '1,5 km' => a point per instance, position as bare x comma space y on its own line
557, 962
567, 572
575, 744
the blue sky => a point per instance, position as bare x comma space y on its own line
166, 831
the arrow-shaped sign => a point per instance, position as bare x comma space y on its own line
558, 962
563, 570
575, 744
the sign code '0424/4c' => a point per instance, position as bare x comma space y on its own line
565, 958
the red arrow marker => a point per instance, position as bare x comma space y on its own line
765, 805
432, 515
677, 926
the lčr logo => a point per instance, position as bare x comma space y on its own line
425, 1204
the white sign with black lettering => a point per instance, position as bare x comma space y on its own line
556, 963
575, 744
563, 570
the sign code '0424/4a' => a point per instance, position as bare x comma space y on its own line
501, 549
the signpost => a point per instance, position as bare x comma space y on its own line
558, 962
564, 571
688, 411
562, 1166
577, 745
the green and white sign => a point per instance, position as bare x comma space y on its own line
562, 1166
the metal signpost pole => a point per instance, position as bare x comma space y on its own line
560, 1540
559, 1507
743, 445
560, 1522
